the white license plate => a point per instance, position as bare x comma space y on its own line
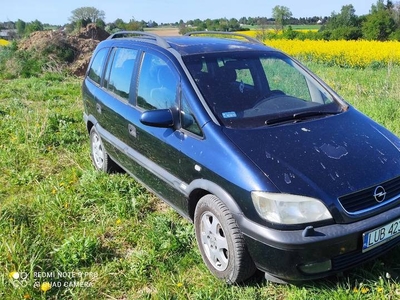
380, 235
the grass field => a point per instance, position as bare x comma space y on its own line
294, 27
167, 31
69, 232
172, 31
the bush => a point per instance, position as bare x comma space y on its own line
395, 36
379, 25
342, 33
30, 63
60, 51
52, 57
346, 33
14, 63
6, 63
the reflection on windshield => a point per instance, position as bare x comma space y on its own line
247, 89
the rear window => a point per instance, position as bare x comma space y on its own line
96, 68
120, 71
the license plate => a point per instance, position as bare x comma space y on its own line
380, 235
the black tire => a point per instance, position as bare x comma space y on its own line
100, 158
221, 242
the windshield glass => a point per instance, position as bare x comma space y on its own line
256, 89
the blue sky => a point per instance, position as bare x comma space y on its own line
57, 12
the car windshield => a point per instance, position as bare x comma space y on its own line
259, 88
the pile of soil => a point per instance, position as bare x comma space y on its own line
82, 45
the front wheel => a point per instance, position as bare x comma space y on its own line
221, 242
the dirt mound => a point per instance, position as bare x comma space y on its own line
93, 32
75, 49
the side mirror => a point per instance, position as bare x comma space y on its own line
163, 118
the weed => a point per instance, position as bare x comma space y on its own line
76, 251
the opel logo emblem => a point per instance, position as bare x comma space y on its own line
379, 194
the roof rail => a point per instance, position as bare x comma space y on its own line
140, 34
248, 38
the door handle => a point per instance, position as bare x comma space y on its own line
132, 130
98, 108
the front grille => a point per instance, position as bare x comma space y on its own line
351, 259
364, 200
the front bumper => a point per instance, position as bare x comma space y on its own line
321, 252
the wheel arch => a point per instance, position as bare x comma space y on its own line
89, 126
90, 121
201, 187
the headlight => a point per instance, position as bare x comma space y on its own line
289, 209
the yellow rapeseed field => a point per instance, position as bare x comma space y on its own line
354, 54
3, 42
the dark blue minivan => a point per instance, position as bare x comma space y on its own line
275, 170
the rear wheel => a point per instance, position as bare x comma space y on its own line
221, 242
100, 157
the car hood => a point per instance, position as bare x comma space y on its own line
324, 158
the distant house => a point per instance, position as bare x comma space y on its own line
8, 34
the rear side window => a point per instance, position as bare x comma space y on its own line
158, 84
120, 71
96, 68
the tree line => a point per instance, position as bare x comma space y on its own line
382, 23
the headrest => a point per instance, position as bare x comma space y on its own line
227, 74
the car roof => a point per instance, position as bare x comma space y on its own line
187, 45
190, 44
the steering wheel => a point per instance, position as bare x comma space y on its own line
271, 95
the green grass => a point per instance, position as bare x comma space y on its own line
294, 27
107, 234
374, 91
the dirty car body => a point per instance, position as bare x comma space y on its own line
246, 142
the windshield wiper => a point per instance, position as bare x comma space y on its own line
300, 116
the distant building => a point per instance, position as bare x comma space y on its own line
8, 34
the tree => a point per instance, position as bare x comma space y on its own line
134, 25
100, 23
345, 25
20, 25
379, 24
234, 24
379, 6
396, 13
87, 15
33, 26
346, 18
281, 14
119, 23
